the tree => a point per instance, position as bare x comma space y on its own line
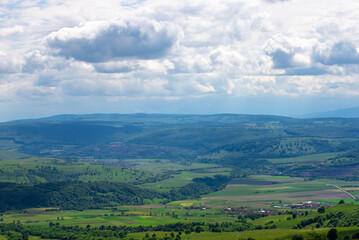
297, 237
332, 234
321, 209
341, 201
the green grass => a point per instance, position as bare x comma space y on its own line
335, 201
4, 155
133, 216
168, 184
247, 190
161, 165
307, 158
265, 177
159, 215
185, 177
186, 203
271, 234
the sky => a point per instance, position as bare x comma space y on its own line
282, 57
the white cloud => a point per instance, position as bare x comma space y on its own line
11, 31
9, 63
104, 41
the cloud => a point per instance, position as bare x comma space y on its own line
116, 67
288, 52
37, 61
306, 71
9, 64
11, 31
47, 80
55, 50
103, 41
342, 52
276, 1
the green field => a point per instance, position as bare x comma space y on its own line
135, 216
321, 157
6, 155
185, 177
271, 234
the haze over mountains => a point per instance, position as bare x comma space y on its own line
343, 113
227, 139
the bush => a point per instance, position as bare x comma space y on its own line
332, 234
297, 237
321, 209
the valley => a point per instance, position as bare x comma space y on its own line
154, 176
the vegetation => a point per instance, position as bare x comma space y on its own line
179, 177
245, 226
245, 142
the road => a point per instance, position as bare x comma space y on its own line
341, 189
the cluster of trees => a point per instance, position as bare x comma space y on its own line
199, 187
55, 231
72, 195
338, 219
89, 195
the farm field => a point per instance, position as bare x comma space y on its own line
267, 191
320, 157
161, 215
182, 178
145, 215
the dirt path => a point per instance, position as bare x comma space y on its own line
341, 189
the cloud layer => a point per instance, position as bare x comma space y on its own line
55, 50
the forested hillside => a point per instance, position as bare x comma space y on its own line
227, 139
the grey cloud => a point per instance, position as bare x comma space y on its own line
33, 93
306, 71
115, 67
342, 52
282, 59
287, 52
33, 62
46, 80
8, 65
104, 41
36, 61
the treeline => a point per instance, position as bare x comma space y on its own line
200, 187
55, 231
78, 195
338, 219
72, 195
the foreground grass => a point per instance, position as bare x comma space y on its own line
271, 234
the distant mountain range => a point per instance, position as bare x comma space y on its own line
341, 113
